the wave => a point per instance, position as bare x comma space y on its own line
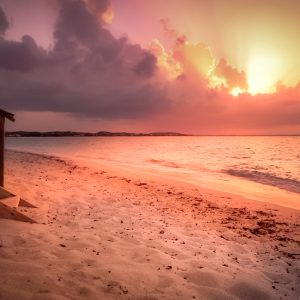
165, 163
291, 185
184, 166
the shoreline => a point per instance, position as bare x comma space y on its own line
108, 233
275, 196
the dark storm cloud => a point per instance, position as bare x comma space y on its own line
146, 66
99, 7
75, 25
3, 22
21, 56
88, 72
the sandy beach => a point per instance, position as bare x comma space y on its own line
109, 233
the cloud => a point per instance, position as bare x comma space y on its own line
21, 56
204, 110
168, 65
75, 26
147, 65
4, 24
102, 9
88, 72
232, 77
184, 59
267, 113
200, 108
171, 32
194, 57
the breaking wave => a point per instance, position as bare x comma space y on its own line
165, 163
287, 184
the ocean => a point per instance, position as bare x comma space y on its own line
253, 166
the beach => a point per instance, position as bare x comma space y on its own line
109, 232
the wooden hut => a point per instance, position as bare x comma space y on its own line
3, 115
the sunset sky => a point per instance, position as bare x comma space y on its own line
193, 66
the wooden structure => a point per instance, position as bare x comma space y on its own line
12, 207
10, 203
3, 115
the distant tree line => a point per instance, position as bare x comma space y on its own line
79, 134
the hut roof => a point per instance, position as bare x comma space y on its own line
7, 115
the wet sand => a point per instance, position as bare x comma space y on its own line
114, 233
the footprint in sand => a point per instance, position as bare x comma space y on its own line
203, 278
248, 291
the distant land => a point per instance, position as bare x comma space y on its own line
108, 133
78, 134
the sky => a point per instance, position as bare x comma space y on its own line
191, 66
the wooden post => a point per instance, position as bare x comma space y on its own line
2, 122
3, 115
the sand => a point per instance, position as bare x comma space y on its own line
110, 233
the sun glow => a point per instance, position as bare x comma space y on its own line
236, 91
263, 72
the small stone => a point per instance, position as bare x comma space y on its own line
124, 289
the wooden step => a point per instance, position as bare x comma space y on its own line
10, 213
24, 203
11, 201
5, 194
14, 208
8, 198
39, 216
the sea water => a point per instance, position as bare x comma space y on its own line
255, 166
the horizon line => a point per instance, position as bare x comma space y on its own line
108, 133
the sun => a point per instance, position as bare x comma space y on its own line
263, 72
